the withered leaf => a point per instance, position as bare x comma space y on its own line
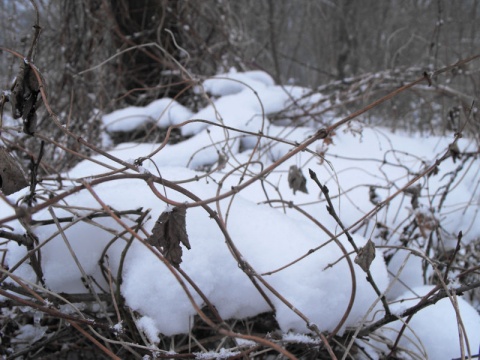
169, 231
454, 151
296, 180
414, 191
328, 140
24, 98
365, 256
373, 196
12, 177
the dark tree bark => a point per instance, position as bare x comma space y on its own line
137, 23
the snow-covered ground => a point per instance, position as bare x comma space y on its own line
262, 219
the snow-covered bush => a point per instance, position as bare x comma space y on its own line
276, 223
231, 223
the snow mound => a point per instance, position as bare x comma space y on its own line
266, 238
163, 112
234, 82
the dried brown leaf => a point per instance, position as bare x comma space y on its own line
24, 98
454, 151
12, 177
365, 256
415, 192
328, 140
373, 196
296, 180
169, 231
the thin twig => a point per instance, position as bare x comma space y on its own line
333, 213
452, 258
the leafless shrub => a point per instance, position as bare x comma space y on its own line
67, 139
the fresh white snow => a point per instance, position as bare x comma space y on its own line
433, 332
163, 112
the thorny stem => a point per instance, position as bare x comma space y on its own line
333, 213
452, 259
331, 209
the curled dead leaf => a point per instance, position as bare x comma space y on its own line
169, 232
373, 196
454, 151
296, 180
25, 98
365, 256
